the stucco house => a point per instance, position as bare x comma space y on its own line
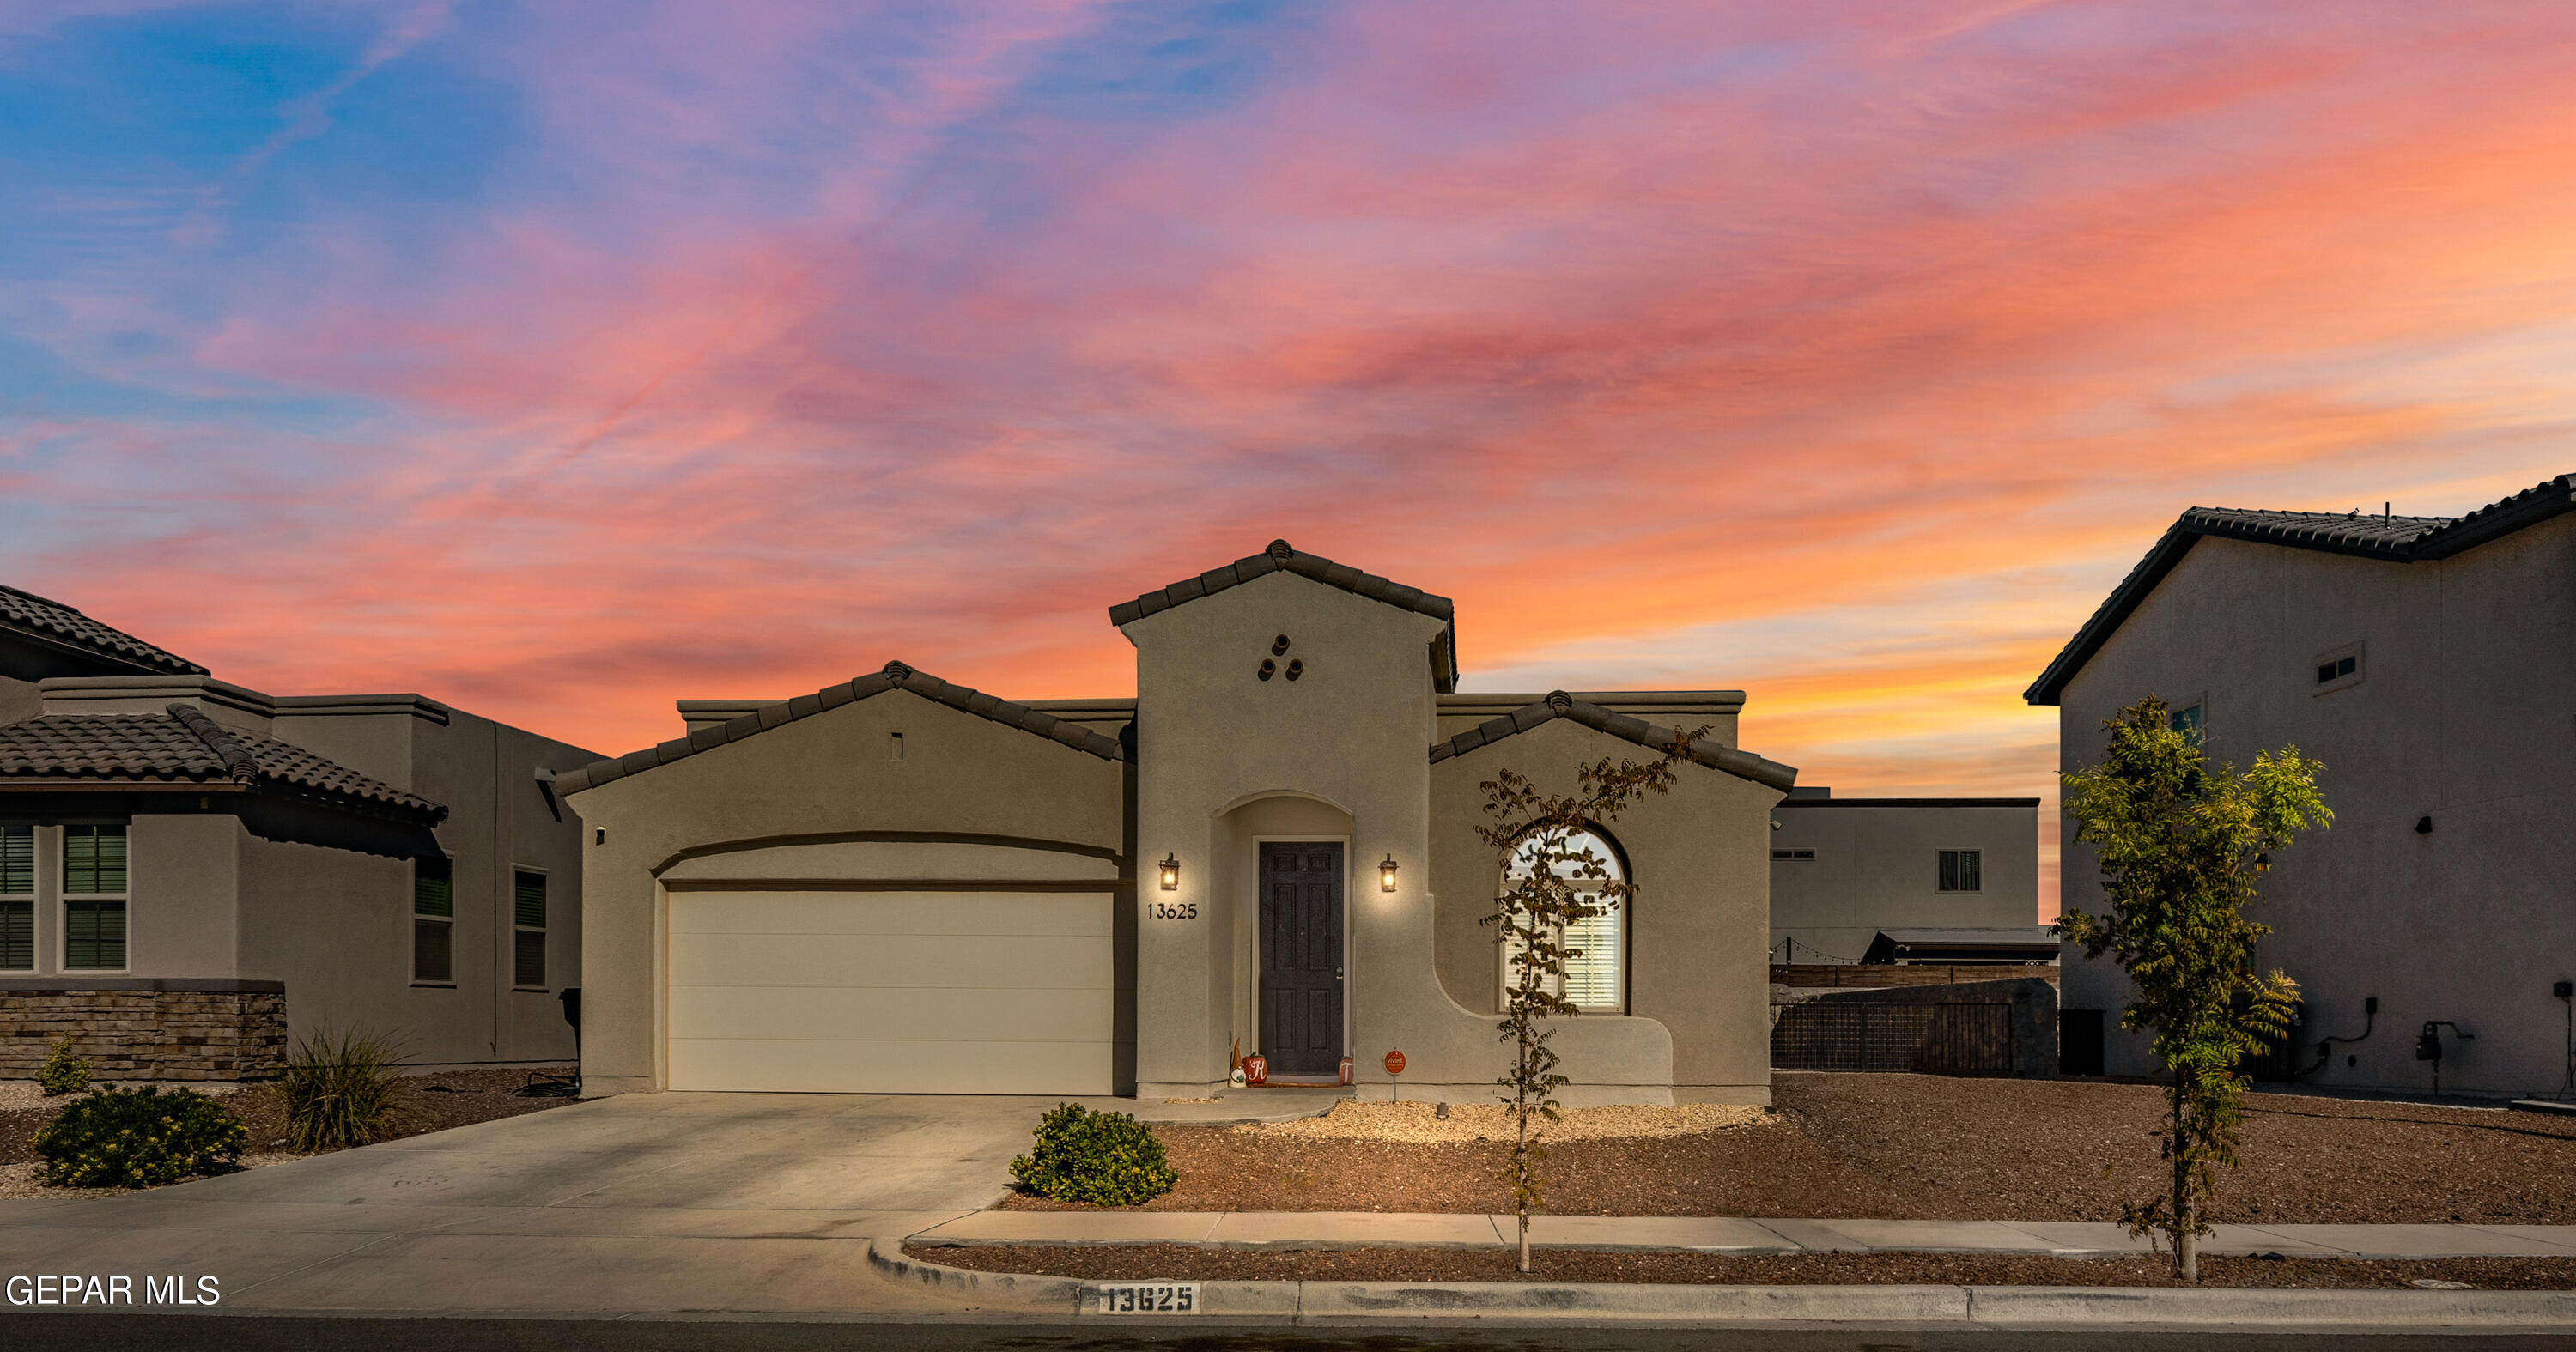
895, 884
1845, 869
193, 873
2422, 660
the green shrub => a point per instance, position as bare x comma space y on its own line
138, 1138
64, 1073
1103, 1159
339, 1089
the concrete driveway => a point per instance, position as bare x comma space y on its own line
644, 1202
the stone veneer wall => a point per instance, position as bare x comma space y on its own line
144, 1029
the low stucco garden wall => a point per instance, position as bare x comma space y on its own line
145, 1029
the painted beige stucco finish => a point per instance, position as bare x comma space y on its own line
2462, 714
963, 781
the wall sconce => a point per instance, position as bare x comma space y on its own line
1386, 874
1171, 867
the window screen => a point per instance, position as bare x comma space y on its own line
433, 887
17, 936
94, 859
433, 950
1959, 870
94, 936
529, 901
528, 943
17, 861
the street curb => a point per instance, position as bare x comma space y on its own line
1994, 1307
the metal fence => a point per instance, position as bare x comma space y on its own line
1933, 1039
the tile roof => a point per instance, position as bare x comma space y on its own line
184, 747
895, 676
1282, 557
32, 614
2395, 539
1558, 704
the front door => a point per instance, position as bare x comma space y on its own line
1301, 956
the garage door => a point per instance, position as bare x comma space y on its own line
882, 992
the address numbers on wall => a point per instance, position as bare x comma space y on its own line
1175, 910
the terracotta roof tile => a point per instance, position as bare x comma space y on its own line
1558, 704
896, 676
2395, 539
183, 746
33, 614
1284, 557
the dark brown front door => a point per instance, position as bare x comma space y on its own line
1301, 956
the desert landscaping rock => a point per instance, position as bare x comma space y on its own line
1415, 1123
1919, 1147
1180, 1262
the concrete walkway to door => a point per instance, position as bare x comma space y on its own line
643, 1202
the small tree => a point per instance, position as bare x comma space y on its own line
1553, 882
2180, 843
65, 1071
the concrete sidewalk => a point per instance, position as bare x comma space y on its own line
1727, 1235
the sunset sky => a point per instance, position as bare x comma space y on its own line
561, 361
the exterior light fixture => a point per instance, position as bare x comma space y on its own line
1386, 874
1171, 867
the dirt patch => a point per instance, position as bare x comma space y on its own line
427, 1103
1181, 1262
1919, 1147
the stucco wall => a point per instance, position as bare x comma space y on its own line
2463, 714
1878, 868
1697, 929
1213, 736
828, 775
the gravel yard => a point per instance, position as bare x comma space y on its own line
1181, 1262
432, 1102
1921, 1147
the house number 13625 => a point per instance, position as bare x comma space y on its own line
1176, 910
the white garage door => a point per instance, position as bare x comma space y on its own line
930, 992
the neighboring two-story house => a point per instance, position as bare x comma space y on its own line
192, 874
2423, 661
1943, 879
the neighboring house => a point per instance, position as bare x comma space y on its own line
1842, 869
2424, 661
896, 884
193, 873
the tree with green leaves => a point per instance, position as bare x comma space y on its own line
1553, 881
2181, 842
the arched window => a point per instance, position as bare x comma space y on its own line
1596, 978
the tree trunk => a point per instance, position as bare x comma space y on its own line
1520, 1157
2186, 1214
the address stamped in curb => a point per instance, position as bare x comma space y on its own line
1144, 1298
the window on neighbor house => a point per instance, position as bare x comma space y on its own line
2341, 669
94, 897
2187, 722
1793, 856
17, 898
528, 932
433, 921
1596, 978
1960, 870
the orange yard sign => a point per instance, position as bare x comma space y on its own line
1395, 1063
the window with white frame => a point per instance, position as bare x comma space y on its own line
528, 933
1961, 871
1596, 977
433, 922
94, 897
17, 898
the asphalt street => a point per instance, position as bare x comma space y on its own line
247, 1333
